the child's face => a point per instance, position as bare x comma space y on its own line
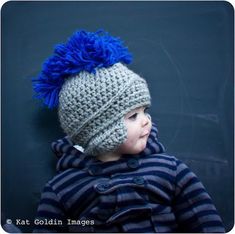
138, 126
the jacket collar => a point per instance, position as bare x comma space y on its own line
70, 157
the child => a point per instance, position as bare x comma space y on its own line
120, 180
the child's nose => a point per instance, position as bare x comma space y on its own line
145, 120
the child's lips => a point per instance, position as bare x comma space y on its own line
145, 134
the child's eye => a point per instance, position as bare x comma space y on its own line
146, 110
133, 117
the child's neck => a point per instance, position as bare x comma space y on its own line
107, 157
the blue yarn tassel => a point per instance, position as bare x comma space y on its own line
84, 51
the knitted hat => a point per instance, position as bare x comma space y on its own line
93, 89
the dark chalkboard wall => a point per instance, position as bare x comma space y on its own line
183, 49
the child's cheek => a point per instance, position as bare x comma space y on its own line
131, 138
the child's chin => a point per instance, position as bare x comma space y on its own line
140, 148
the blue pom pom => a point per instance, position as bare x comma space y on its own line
84, 51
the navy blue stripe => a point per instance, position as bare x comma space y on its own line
71, 192
190, 182
53, 146
76, 177
182, 174
148, 163
211, 223
191, 194
61, 145
51, 202
216, 224
163, 175
71, 161
162, 148
207, 212
127, 203
157, 174
65, 140
84, 200
195, 205
151, 148
62, 175
154, 128
196, 218
168, 192
172, 159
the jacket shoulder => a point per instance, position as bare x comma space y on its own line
68, 176
165, 157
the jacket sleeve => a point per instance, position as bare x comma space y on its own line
192, 205
50, 216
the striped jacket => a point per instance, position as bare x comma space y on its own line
150, 192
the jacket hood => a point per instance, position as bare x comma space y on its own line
70, 157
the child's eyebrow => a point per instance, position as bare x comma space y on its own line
130, 113
134, 111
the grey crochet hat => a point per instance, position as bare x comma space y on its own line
92, 103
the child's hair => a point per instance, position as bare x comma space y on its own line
93, 89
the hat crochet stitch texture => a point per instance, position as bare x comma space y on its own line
93, 89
